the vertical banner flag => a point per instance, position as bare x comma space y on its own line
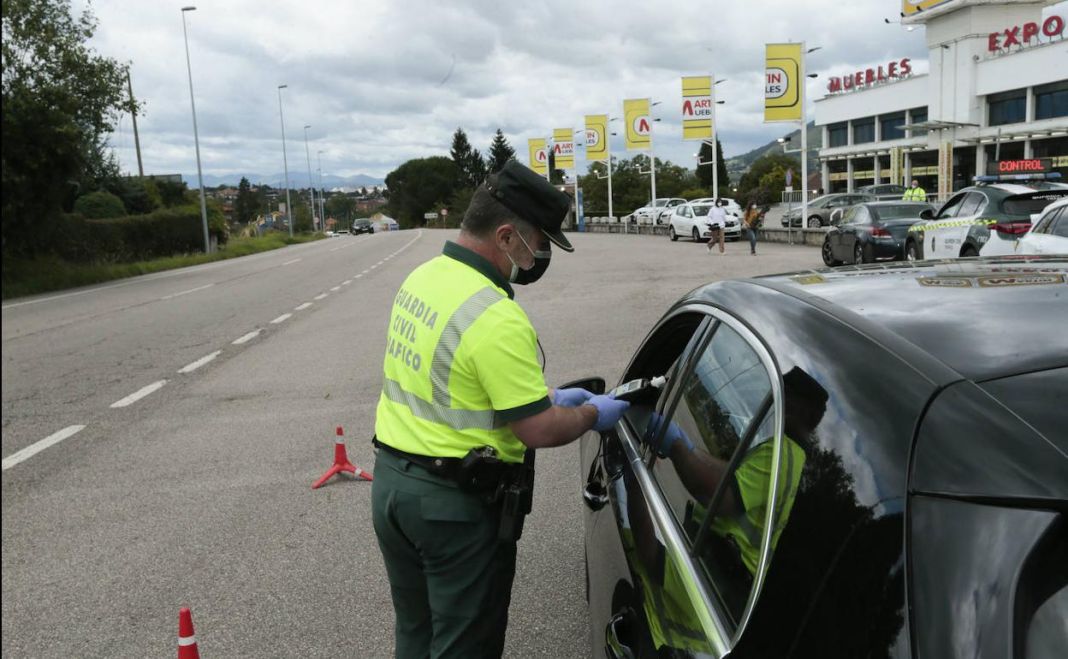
895, 165
596, 137
697, 107
782, 82
539, 155
639, 124
564, 148
945, 170
912, 7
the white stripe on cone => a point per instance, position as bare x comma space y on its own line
187, 640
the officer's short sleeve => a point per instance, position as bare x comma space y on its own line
506, 364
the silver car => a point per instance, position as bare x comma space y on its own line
821, 208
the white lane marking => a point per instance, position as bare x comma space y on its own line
346, 282
291, 262
35, 448
246, 338
281, 319
302, 307
336, 288
191, 290
373, 266
335, 249
320, 296
189, 368
365, 271
139, 394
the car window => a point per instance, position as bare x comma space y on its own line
1028, 204
701, 211
951, 207
849, 215
900, 211
715, 453
973, 204
860, 215
1059, 224
685, 211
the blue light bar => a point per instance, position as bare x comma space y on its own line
1017, 177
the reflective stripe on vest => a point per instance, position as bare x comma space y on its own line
443, 414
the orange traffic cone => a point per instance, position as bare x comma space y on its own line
341, 463
187, 642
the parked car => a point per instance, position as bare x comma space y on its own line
887, 191
866, 462
820, 209
871, 231
982, 220
691, 219
644, 215
362, 226
730, 205
1049, 233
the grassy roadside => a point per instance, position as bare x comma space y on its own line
41, 275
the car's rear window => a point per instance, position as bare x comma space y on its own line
1030, 203
898, 212
701, 211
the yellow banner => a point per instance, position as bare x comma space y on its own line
639, 124
564, 148
782, 82
697, 107
539, 155
596, 137
913, 7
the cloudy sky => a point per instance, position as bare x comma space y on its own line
382, 82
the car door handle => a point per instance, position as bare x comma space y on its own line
615, 648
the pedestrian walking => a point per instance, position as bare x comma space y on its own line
717, 223
463, 406
752, 219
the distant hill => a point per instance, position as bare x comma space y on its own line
297, 179
738, 165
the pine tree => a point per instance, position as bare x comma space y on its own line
500, 152
704, 172
245, 206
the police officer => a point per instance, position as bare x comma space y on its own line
915, 193
463, 403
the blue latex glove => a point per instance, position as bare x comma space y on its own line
571, 397
673, 434
609, 410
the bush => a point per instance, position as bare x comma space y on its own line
165, 232
99, 205
694, 193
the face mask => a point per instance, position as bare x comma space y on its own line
534, 272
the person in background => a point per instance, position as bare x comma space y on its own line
717, 222
752, 220
915, 193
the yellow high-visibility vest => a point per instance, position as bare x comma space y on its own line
461, 361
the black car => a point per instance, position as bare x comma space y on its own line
362, 226
859, 462
867, 232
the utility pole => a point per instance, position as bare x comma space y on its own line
133, 116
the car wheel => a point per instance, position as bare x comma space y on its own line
912, 251
828, 255
696, 235
859, 255
969, 251
674, 236
815, 222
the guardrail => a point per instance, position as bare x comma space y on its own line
812, 237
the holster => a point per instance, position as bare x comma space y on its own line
517, 499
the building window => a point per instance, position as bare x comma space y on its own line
891, 126
864, 131
917, 116
837, 134
1007, 107
1051, 100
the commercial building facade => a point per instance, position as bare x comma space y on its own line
996, 90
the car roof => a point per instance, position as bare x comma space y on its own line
984, 318
890, 202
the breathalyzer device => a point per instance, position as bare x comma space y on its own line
642, 390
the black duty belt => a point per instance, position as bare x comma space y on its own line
444, 467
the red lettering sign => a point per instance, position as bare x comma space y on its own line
1012, 166
857, 79
774, 77
1051, 27
687, 107
892, 69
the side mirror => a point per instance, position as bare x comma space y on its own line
927, 214
593, 385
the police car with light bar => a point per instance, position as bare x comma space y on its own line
985, 219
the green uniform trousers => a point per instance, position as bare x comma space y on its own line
451, 579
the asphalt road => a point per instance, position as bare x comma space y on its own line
194, 408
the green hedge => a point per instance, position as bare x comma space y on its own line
99, 205
164, 232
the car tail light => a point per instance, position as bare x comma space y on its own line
1013, 228
881, 232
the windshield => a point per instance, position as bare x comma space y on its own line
660, 202
899, 211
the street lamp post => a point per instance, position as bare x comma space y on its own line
715, 146
196, 137
322, 192
311, 183
285, 159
